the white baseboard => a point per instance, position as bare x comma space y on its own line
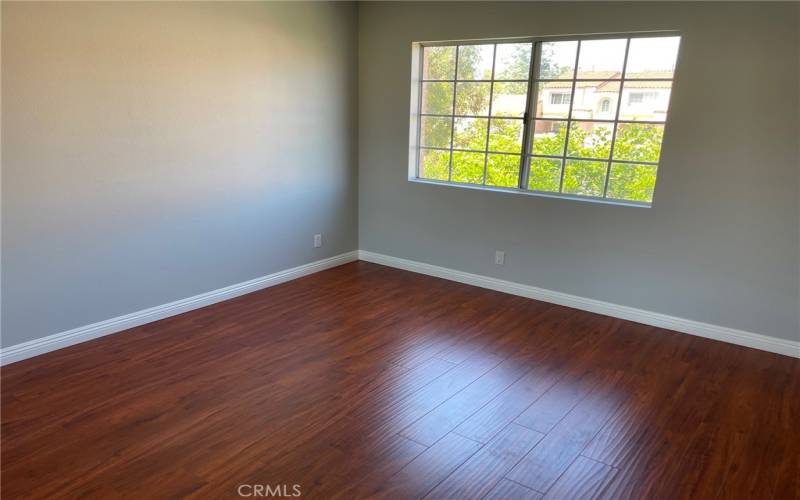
82, 334
725, 334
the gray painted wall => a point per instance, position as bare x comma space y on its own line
720, 243
154, 151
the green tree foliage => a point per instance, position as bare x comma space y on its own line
469, 63
588, 141
434, 164
502, 170
513, 61
548, 67
468, 167
632, 182
545, 174
440, 63
472, 98
585, 178
437, 98
634, 142
638, 142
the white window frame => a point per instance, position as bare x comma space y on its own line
529, 116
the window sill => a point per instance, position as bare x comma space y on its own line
539, 194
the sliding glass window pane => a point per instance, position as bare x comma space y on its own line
470, 133
509, 98
601, 59
475, 62
632, 182
439, 63
473, 98
505, 135
582, 103
638, 142
549, 137
595, 100
552, 99
513, 61
557, 60
545, 174
437, 98
652, 57
645, 100
468, 167
590, 140
436, 132
586, 178
434, 164
502, 170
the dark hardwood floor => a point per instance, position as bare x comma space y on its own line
366, 381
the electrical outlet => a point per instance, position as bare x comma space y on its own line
499, 257
317, 240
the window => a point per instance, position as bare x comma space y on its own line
641, 97
545, 116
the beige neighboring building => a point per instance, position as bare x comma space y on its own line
597, 100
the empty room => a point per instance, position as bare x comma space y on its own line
400, 250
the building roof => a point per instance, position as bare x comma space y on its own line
644, 84
633, 80
644, 75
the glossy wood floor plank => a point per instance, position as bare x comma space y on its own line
364, 381
584, 478
540, 468
447, 416
507, 406
509, 490
481, 473
430, 468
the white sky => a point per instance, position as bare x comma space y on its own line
607, 55
646, 54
